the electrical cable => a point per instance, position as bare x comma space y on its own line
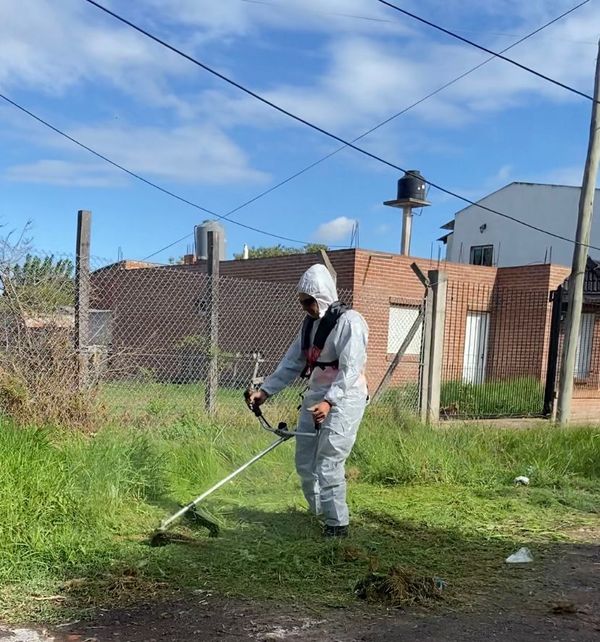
482, 48
323, 131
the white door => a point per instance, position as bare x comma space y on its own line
476, 346
583, 356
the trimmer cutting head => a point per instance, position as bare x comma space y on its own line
191, 511
201, 518
160, 537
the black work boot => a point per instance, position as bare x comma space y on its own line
335, 531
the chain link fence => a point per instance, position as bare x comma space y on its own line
170, 343
495, 351
152, 354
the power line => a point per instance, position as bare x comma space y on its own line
482, 48
145, 180
101, 156
322, 13
325, 132
500, 34
405, 110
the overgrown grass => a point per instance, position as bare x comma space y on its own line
75, 510
521, 397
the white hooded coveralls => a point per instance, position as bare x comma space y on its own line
320, 462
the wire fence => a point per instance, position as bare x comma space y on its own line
496, 351
586, 375
168, 343
160, 340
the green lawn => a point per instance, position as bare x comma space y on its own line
75, 508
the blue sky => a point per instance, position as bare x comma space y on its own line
344, 64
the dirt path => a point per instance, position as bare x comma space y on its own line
559, 600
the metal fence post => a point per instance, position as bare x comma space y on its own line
550, 390
439, 286
212, 377
416, 326
82, 295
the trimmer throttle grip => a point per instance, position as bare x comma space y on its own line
253, 407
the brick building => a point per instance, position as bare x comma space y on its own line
497, 319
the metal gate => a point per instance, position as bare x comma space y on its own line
495, 351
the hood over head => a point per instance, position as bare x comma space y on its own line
318, 283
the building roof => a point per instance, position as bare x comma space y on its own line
524, 183
127, 264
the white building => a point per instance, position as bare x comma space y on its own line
481, 237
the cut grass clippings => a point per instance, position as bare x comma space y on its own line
77, 510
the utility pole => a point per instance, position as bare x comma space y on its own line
582, 241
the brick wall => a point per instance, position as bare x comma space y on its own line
287, 269
381, 280
155, 308
160, 317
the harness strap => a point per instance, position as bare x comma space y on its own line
326, 326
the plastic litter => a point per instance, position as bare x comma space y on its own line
440, 584
522, 556
521, 480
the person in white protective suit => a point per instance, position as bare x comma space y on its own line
331, 349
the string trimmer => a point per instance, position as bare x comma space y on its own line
160, 536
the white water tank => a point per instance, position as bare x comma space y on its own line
201, 238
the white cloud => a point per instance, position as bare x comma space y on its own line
368, 69
184, 154
54, 47
230, 18
339, 229
367, 79
65, 174
562, 176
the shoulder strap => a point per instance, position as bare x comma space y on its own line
307, 327
328, 323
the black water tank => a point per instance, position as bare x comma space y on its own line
411, 185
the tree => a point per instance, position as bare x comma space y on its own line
280, 250
41, 284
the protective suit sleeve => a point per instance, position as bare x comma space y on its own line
351, 347
288, 369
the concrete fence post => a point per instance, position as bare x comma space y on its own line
82, 296
212, 376
439, 287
